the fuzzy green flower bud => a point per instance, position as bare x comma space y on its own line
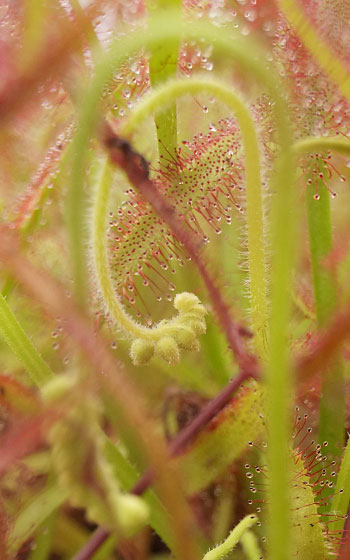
141, 351
185, 301
186, 338
198, 327
197, 311
133, 513
167, 349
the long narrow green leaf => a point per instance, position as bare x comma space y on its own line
34, 515
13, 334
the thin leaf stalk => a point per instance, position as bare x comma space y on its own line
332, 404
163, 66
278, 371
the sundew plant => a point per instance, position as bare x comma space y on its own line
175, 263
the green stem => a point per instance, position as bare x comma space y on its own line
256, 259
163, 66
332, 405
321, 143
246, 53
320, 239
145, 336
13, 334
99, 243
223, 549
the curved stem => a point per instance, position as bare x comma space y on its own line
256, 261
223, 549
326, 58
99, 240
165, 337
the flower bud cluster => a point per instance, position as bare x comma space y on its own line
181, 332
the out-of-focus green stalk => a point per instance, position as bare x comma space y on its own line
332, 404
250, 546
163, 66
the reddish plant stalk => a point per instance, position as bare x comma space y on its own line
137, 170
